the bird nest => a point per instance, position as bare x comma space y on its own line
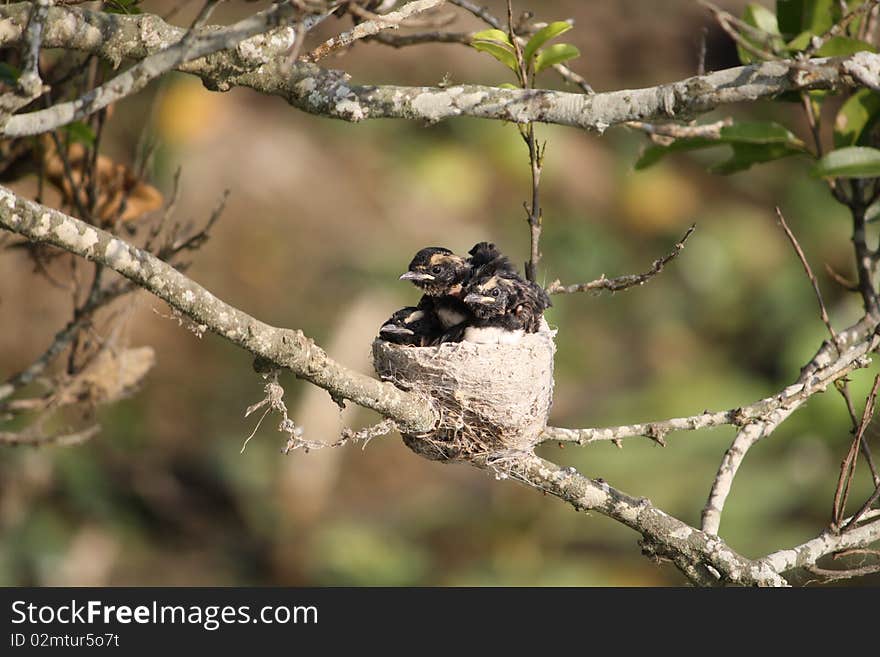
490, 398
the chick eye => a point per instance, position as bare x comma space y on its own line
436, 269
494, 292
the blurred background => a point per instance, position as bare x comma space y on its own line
322, 218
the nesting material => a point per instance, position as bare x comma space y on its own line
490, 398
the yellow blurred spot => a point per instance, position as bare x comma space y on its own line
187, 112
657, 199
451, 176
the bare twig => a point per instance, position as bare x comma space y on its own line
763, 410
622, 282
390, 21
193, 45
806, 265
283, 347
35, 437
29, 84
843, 389
848, 467
752, 432
665, 133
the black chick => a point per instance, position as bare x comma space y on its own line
485, 258
441, 274
504, 306
413, 327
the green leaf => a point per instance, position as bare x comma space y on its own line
745, 154
841, 46
9, 74
654, 154
555, 54
851, 162
492, 35
789, 14
759, 132
508, 85
122, 6
542, 36
800, 42
812, 16
855, 118
80, 132
752, 142
503, 53
819, 15
762, 19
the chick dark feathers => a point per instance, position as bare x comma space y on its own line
481, 298
411, 326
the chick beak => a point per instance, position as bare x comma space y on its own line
416, 276
395, 330
479, 299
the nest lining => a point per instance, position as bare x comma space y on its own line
490, 398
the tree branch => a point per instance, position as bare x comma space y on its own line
626, 281
192, 45
764, 412
390, 21
828, 542
284, 348
699, 555
262, 64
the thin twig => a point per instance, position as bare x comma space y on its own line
806, 265
622, 282
848, 466
390, 21
665, 133
843, 389
788, 399
194, 45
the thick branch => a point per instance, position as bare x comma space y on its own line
283, 347
262, 64
701, 556
828, 542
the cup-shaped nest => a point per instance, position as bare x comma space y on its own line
490, 398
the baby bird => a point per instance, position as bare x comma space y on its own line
485, 260
441, 274
411, 326
504, 306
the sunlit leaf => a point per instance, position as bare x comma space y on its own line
492, 35
542, 36
507, 85
555, 54
503, 53
856, 117
764, 20
841, 46
851, 162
